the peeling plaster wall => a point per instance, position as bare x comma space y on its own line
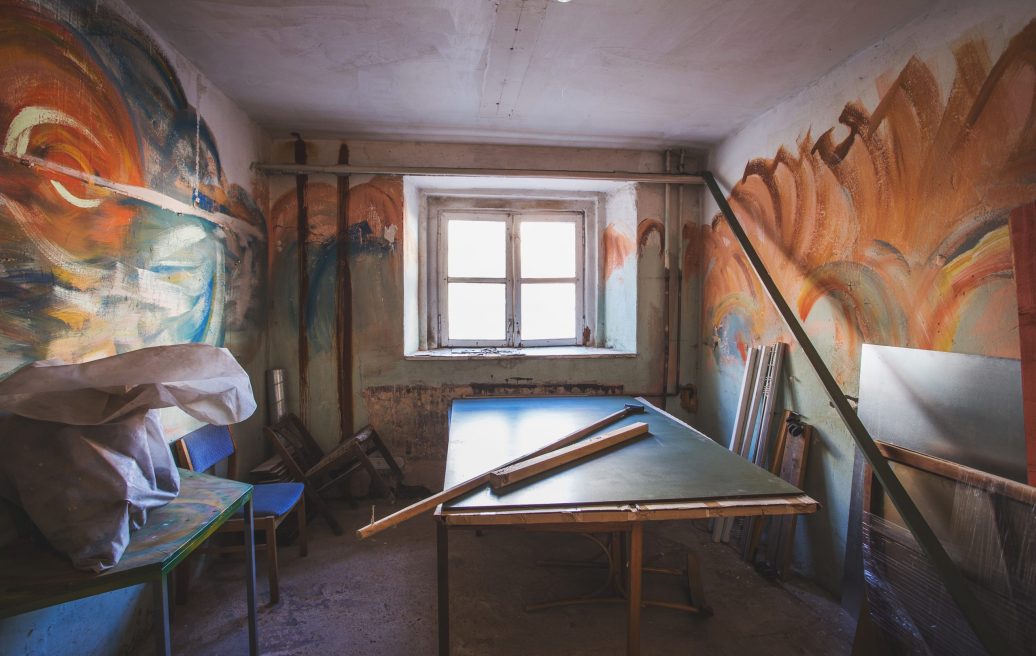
407, 400
86, 272
878, 199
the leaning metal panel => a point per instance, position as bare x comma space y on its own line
963, 408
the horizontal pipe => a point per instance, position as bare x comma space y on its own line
350, 169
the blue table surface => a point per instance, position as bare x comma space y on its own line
674, 462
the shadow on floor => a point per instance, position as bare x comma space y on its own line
378, 597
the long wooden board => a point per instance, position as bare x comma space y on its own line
505, 476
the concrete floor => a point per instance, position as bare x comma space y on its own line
378, 597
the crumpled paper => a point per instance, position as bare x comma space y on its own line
83, 452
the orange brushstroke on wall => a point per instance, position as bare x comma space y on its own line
899, 227
644, 230
376, 213
617, 247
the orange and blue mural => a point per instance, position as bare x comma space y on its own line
118, 228
901, 227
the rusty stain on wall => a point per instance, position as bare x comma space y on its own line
901, 225
617, 247
644, 231
413, 419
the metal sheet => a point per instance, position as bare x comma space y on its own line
964, 408
673, 462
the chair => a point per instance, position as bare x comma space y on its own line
307, 462
271, 502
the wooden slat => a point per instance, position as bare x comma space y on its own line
1023, 243
619, 514
947, 469
505, 476
793, 470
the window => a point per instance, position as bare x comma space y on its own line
516, 268
511, 277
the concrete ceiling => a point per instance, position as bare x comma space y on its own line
636, 73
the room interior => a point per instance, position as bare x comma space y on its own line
290, 181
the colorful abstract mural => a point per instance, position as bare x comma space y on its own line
375, 215
118, 228
899, 228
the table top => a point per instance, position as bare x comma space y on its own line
36, 576
672, 463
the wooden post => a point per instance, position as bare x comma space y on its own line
1023, 243
302, 252
636, 573
343, 305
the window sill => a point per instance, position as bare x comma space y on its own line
500, 353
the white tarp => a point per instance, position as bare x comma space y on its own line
83, 451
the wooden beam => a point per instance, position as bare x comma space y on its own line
616, 176
951, 575
1023, 244
956, 472
302, 253
501, 478
343, 305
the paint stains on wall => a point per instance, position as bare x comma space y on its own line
648, 227
85, 272
617, 247
376, 215
899, 229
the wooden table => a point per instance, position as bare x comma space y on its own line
673, 473
35, 577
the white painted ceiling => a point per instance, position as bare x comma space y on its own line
637, 73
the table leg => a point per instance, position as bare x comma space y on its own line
636, 554
443, 571
253, 629
160, 592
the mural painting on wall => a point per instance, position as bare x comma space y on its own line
92, 261
902, 225
375, 216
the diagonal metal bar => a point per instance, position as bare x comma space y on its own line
951, 575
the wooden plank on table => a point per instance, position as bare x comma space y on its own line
505, 476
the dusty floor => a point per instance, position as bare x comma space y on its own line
378, 597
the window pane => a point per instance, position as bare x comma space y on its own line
476, 249
476, 310
548, 310
548, 249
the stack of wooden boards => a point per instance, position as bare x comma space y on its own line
766, 542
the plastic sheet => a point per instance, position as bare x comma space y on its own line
991, 537
83, 452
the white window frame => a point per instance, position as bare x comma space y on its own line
583, 211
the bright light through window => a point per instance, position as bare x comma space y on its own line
511, 278
548, 249
476, 311
548, 310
